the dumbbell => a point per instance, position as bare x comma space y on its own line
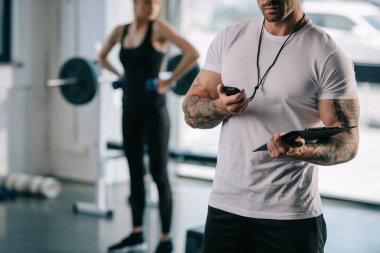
31, 184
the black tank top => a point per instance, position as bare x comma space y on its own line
140, 63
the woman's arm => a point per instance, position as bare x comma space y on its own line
109, 43
166, 32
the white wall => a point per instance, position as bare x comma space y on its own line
24, 106
5, 86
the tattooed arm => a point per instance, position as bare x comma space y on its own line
336, 149
206, 106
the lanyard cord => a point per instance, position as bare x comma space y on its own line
260, 80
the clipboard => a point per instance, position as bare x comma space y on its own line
310, 135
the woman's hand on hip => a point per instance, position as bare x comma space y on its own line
163, 85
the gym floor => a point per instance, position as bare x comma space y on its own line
29, 224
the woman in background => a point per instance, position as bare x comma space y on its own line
145, 118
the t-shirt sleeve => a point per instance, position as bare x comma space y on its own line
338, 78
214, 54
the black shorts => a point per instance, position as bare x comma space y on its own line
230, 233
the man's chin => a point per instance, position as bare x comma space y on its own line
271, 19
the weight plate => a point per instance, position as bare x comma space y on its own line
85, 89
183, 84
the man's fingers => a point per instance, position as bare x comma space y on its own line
238, 98
242, 107
277, 136
237, 108
299, 141
234, 103
275, 146
219, 89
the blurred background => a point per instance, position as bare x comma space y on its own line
42, 134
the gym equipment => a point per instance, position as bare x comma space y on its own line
6, 195
177, 155
116, 84
194, 240
151, 85
99, 207
367, 72
77, 81
183, 84
31, 185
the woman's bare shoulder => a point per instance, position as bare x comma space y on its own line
119, 28
163, 27
118, 31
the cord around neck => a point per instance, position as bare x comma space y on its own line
259, 79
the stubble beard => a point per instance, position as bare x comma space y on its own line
277, 16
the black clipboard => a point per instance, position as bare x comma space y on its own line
309, 134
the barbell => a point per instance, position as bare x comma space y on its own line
78, 79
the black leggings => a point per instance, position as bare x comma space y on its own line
151, 128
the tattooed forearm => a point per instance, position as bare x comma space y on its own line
201, 112
339, 148
346, 112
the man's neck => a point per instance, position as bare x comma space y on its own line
287, 25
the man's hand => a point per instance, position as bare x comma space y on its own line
278, 148
233, 104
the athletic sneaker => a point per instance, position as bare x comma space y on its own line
164, 247
134, 242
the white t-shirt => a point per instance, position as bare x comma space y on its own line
310, 67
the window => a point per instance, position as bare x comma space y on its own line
374, 21
319, 19
339, 22
5, 15
332, 21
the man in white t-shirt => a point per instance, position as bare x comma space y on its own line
291, 75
